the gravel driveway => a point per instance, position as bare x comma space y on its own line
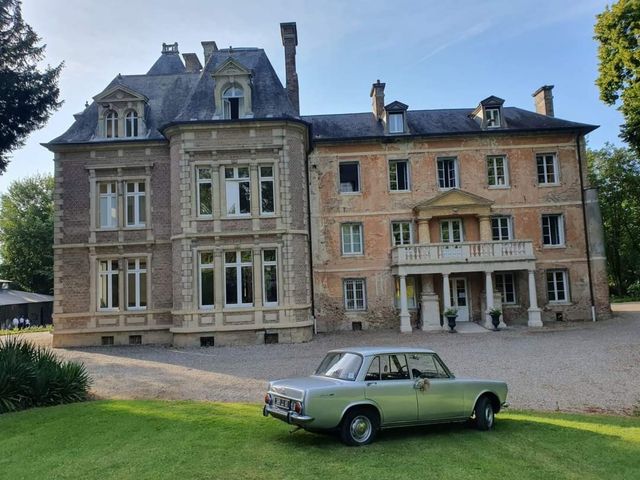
575, 366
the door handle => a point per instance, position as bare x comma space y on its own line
371, 383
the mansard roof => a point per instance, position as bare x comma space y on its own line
445, 122
175, 95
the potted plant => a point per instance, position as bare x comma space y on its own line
451, 314
495, 317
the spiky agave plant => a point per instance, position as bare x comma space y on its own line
16, 374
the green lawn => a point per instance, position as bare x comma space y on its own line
187, 440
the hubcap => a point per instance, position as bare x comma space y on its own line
488, 415
361, 428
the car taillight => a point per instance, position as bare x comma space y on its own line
267, 399
297, 407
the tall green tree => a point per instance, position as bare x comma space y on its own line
28, 95
26, 233
616, 173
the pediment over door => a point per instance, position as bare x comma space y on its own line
452, 203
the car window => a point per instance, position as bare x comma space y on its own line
340, 365
393, 367
425, 365
374, 371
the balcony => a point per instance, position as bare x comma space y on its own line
463, 257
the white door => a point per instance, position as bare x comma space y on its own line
459, 297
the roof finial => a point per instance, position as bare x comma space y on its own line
86, 104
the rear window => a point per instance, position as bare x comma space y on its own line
344, 366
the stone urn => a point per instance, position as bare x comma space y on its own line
451, 314
495, 317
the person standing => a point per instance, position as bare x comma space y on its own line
21, 322
16, 322
27, 322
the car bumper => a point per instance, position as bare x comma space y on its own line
286, 416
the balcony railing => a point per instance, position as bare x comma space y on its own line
465, 252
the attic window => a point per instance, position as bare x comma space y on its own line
493, 117
396, 122
233, 101
111, 124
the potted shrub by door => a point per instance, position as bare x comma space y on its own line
495, 317
451, 314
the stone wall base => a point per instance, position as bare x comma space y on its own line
95, 339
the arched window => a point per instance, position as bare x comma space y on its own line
131, 124
111, 124
233, 100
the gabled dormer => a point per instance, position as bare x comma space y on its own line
396, 118
232, 92
121, 113
489, 113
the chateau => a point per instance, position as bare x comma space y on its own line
196, 206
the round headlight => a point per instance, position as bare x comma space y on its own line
267, 399
297, 407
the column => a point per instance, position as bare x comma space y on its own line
488, 287
485, 228
535, 316
405, 322
423, 231
446, 291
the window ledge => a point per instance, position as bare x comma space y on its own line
399, 191
554, 247
549, 185
351, 193
499, 187
353, 254
559, 304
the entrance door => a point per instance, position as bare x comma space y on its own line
459, 297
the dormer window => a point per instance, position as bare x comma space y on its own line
111, 124
233, 101
493, 117
131, 124
396, 122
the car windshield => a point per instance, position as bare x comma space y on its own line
340, 365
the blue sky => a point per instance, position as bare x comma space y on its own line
430, 53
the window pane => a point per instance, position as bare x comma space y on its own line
349, 181
231, 285
245, 197
243, 172
232, 198
205, 199
228, 172
206, 286
247, 284
245, 256
403, 184
266, 171
270, 284
230, 257
267, 196
143, 289
114, 291
130, 210
131, 290
204, 173
269, 255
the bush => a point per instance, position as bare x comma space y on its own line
634, 289
32, 376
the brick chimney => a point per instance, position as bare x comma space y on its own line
209, 47
191, 62
543, 99
377, 99
289, 34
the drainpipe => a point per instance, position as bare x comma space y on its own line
306, 171
586, 230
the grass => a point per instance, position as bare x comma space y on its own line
15, 331
187, 440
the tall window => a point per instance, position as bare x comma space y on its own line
399, 175
557, 286
501, 228
493, 117
233, 101
136, 204
351, 238
396, 123
111, 124
349, 177
238, 272
506, 286
497, 171
238, 188
267, 204
355, 295
270, 276
401, 233
204, 197
205, 279
108, 290
131, 124
136, 284
552, 230
547, 168
451, 231
448, 172
108, 204
411, 292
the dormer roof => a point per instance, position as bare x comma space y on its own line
492, 101
119, 93
231, 67
396, 106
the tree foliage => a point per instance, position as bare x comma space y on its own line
26, 234
616, 173
28, 96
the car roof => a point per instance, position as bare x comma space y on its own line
367, 351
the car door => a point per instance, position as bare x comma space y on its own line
442, 397
389, 385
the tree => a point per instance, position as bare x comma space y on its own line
616, 173
28, 96
26, 233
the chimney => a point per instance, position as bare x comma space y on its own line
289, 34
377, 99
208, 47
543, 99
192, 62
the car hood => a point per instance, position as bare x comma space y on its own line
296, 387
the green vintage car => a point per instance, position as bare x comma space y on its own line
358, 391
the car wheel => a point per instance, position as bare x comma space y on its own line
359, 427
483, 413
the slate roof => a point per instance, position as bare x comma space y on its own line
18, 297
176, 95
353, 126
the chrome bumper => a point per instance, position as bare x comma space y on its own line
286, 416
